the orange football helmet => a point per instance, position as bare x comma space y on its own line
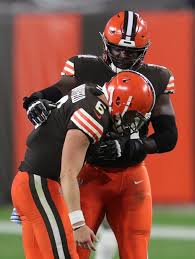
126, 40
131, 98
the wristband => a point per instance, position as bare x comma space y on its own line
76, 216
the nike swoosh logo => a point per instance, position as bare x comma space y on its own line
138, 182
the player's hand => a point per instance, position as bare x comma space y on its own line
118, 153
39, 111
15, 218
110, 149
85, 238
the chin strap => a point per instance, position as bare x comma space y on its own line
114, 68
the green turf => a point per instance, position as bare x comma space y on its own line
5, 212
172, 249
174, 216
11, 247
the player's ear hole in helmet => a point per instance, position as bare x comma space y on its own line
126, 40
131, 98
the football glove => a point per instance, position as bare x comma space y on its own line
110, 149
39, 111
15, 218
120, 152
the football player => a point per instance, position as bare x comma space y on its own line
116, 172
57, 150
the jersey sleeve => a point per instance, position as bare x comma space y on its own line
170, 85
69, 67
170, 88
93, 128
86, 68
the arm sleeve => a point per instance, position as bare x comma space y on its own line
52, 94
165, 133
69, 67
170, 87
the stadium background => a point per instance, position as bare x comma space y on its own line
35, 39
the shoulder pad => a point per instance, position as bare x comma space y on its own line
88, 69
69, 67
88, 56
161, 78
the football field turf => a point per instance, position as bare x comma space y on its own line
160, 247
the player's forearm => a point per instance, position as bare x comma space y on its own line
70, 191
165, 135
71, 195
164, 139
150, 146
52, 94
60, 88
73, 154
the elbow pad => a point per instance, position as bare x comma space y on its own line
166, 133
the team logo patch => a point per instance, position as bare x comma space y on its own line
68, 69
88, 124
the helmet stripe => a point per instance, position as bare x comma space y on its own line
124, 32
128, 25
127, 105
133, 33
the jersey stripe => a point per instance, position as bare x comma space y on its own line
68, 69
83, 127
88, 124
91, 120
170, 86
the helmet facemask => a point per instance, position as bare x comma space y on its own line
131, 122
124, 58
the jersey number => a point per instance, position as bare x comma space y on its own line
100, 107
